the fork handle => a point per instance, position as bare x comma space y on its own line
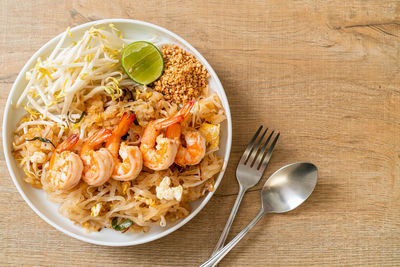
214, 260
228, 224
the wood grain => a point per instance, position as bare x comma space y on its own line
324, 73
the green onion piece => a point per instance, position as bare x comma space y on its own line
125, 224
114, 222
41, 139
77, 121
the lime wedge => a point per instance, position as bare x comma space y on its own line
143, 62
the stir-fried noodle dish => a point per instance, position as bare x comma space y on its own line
113, 151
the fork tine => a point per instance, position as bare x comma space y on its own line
262, 151
265, 161
255, 150
250, 145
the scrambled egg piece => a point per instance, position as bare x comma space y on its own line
96, 209
211, 134
164, 191
148, 201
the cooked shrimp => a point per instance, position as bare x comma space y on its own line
159, 152
98, 165
195, 148
132, 161
65, 166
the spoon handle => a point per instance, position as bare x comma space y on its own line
225, 232
222, 252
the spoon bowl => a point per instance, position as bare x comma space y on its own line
288, 187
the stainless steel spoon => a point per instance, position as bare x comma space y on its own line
285, 190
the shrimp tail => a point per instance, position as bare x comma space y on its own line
175, 129
186, 108
99, 137
125, 123
68, 143
96, 139
123, 127
179, 117
169, 121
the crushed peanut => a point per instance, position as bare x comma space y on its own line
184, 78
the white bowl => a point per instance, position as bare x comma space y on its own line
36, 198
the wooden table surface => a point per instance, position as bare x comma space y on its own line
324, 73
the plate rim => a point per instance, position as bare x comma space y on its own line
224, 100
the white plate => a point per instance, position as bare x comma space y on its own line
36, 198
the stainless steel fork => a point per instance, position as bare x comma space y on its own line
249, 171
